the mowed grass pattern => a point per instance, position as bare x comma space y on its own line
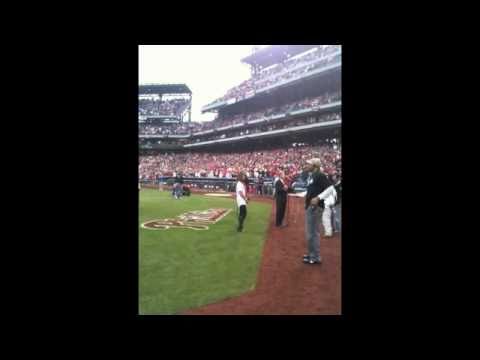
183, 268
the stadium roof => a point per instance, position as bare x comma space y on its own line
275, 53
164, 89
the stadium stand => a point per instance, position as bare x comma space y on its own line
264, 163
321, 57
159, 107
288, 111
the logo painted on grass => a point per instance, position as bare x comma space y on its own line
195, 220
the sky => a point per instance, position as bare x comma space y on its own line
208, 70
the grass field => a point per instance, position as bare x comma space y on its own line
184, 268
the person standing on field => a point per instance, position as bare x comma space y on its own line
242, 199
280, 198
319, 188
178, 184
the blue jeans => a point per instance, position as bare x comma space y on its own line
178, 190
338, 217
312, 231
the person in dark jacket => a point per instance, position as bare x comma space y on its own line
177, 185
319, 187
280, 198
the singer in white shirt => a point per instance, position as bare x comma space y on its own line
242, 200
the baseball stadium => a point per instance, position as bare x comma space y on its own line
200, 251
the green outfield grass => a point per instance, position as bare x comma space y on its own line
183, 268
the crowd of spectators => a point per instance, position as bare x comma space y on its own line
271, 126
283, 71
292, 63
192, 128
257, 164
298, 71
310, 102
152, 143
157, 107
164, 129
